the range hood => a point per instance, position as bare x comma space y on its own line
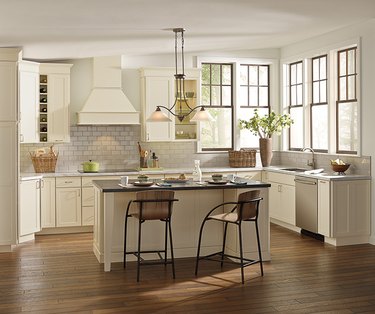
107, 103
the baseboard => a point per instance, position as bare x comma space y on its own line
63, 230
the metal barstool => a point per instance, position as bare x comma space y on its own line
245, 209
151, 205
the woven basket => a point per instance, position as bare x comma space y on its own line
44, 163
242, 158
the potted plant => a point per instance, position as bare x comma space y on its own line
265, 126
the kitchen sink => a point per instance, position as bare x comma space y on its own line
294, 169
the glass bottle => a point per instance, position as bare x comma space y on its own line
197, 172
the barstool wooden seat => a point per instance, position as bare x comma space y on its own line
151, 205
246, 209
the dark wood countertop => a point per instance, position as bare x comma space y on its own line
110, 186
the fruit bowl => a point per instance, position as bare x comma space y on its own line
340, 168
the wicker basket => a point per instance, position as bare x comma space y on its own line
242, 158
44, 163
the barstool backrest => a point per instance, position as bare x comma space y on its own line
153, 205
248, 210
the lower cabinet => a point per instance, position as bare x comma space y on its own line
344, 211
68, 202
29, 209
48, 202
282, 197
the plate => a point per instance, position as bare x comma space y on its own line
217, 182
176, 180
137, 183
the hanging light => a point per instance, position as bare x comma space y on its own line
180, 108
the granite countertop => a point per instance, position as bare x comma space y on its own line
109, 186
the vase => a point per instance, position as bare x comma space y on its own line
265, 148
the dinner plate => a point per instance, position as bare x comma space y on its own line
137, 183
217, 182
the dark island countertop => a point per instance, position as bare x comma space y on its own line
110, 186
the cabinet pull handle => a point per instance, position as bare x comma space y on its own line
37, 185
42, 183
323, 182
279, 187
68, 181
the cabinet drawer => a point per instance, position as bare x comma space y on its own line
281, 178
68, 182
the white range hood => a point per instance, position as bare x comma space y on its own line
107, 103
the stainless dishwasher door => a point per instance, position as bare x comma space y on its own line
307, 203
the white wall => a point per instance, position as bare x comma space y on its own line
366, 32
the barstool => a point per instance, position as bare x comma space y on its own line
151, 205
245, 209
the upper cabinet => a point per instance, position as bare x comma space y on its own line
158, 89
28, 82
8, 91
54, 101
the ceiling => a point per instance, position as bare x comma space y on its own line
67, 29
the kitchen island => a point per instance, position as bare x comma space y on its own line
195, 200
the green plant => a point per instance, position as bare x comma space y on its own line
266, 125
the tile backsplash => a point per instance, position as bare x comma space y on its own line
115, 147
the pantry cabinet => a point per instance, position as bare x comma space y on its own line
158, 89
29, 210
68, 202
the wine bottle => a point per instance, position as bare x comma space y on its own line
43, 90
43, 129
43, 99
43, 109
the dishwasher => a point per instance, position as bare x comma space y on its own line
307, 203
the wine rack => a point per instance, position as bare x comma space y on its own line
43, 108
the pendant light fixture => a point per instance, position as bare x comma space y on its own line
180, 108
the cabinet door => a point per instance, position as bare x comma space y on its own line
274, 201
48, 205
287, 204
324, 206
29, 209
68, 207
157, 91
29, 101
8, 182
8, 92
58, 107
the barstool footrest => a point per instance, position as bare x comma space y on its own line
160, 261
210, 258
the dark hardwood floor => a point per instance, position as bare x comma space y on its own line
60, 274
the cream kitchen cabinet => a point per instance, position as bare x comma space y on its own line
54, 102
282, 197
28, 83
29, 210
9, 147
88, 198
48, 203
344, 211
68, 201
158, 89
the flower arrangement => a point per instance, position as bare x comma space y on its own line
265, 126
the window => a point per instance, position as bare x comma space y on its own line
217, 97
254, 94
296, 105
319, 104
321, 94
347, 105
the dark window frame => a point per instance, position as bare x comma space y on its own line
312, 97
221, 100
290, 98
346, 100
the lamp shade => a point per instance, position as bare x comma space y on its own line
202, 115
158, 116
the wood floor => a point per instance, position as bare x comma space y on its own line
59, 274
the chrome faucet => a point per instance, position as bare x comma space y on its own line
310, 163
